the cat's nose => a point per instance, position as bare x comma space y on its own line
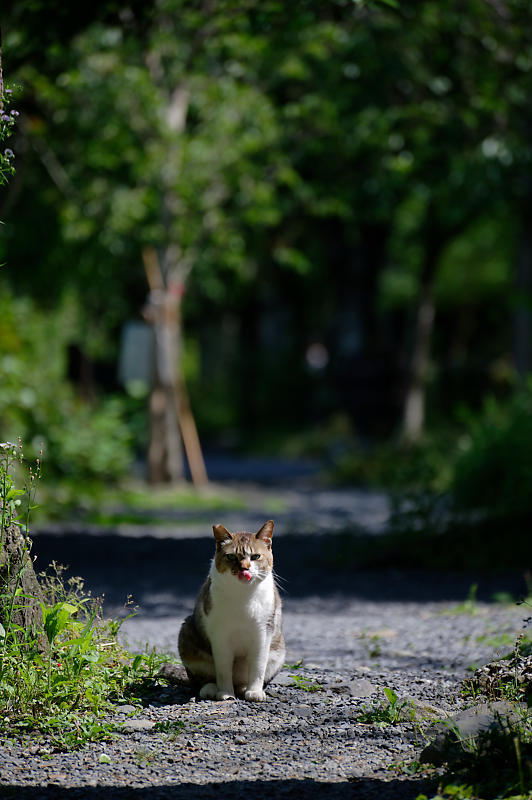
245, 563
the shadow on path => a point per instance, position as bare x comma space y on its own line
161, 572
365, 789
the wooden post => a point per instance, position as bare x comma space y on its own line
189, 432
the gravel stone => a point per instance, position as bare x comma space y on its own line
134, 725
358, 688
126, 709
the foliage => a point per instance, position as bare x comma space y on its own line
171, 726
319, 151
498, 762
78, 438
481, 465
306, 684
424, 466
92, 442
301, 166
497, 765
388, 713
64, 688
7, 121
493, 471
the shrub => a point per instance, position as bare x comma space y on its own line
493, 471
80, 440
62, 675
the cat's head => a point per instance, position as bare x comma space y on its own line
247, 556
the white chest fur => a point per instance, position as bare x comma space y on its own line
239, 612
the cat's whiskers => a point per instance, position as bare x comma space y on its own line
281, 582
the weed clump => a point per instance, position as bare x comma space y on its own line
62, 668
497, 763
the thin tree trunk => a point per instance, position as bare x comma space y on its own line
165, 453
167, 281
157, 448
414, 409
18, 576
414, 405
171, 421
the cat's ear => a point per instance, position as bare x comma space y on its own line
266, 533
221, 534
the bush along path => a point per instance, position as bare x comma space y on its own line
380, 699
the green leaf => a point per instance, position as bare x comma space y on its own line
13, 493
137, 661
391, 695
104, 758
56, 619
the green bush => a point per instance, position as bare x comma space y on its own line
91, 442
493, 471
37, 402
481, 463
62, 676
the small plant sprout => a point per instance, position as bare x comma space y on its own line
306, 684
469, 605
172, 726
387, 713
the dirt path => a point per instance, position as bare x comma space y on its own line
352, 633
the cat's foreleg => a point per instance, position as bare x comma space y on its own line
257, 660
223, 663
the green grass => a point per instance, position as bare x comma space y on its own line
372, 643
497, 765
62, 678
133, 503
170, 726
306, 684
467, 606
498, 641
389, 712
68, 691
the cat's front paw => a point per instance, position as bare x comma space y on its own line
208, 692
224, 696
254, 695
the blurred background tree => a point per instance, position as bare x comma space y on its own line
336, 196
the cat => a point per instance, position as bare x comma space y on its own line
233, 642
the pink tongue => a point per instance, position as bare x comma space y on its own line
244, 575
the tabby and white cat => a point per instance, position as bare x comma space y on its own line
233, 641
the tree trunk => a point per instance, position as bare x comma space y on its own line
167, 282
17, 574
165, 453
414, 405
171, 420
415, 396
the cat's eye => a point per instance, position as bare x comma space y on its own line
254, 556
231, 557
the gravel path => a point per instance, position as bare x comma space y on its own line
351, 634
